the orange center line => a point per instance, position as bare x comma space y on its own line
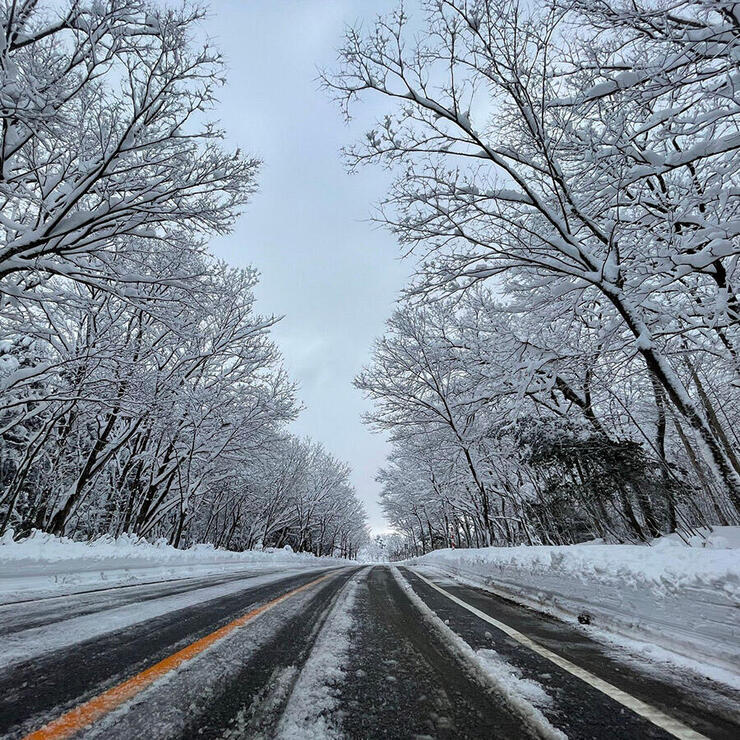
85, 714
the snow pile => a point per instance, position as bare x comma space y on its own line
45, 565
684, 598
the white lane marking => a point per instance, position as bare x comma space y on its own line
473, 662
650, 713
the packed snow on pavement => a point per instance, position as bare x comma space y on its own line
36, 641
311, 710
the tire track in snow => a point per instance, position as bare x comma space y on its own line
19, 616
84, 715
310, 713
24, 645
37, 690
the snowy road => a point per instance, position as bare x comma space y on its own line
351, 652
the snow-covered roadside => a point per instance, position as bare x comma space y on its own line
683, 599
523, 695
308, 713
43, 565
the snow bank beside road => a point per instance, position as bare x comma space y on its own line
44, 565
681, 598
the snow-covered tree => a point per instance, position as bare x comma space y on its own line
103, 145
581, 158
140, 391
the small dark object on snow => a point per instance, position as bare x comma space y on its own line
584, 618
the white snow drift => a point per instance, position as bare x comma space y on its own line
44, 565
682, 598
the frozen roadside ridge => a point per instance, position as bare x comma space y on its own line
684, 600
43, 565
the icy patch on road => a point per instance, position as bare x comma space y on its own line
521, 694
505, 672
309, 712
43, 565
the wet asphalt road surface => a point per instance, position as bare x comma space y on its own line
414, 665
418, 687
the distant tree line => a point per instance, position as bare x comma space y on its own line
565, 363
139, 389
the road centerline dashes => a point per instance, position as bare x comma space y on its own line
643, 709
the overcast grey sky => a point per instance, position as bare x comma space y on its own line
333, 274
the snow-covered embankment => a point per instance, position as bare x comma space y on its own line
683, 599
44, 565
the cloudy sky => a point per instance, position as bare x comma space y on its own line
332, 274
